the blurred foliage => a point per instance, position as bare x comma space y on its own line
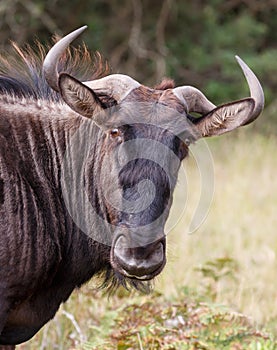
214, 271
157, 323
193, 42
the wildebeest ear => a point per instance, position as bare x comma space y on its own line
225, 118
80, 97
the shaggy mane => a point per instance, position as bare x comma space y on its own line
165, 84
21, 72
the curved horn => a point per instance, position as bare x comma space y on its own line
256, 90
195, 100
115, 85
52, 58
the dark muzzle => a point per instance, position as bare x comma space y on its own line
138, 261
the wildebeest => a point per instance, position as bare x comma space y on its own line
45, 252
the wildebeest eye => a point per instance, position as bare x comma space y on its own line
115, 133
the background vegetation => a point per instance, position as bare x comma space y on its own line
219, 286
193, 42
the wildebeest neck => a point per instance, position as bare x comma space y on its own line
34, 138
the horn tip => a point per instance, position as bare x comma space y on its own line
80, 30
240, 61
256, 90
84, 27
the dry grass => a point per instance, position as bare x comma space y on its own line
241, 225
240, 228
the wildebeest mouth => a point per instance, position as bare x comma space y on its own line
141, 263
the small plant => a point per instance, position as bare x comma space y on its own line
214, 271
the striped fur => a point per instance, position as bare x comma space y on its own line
43, 254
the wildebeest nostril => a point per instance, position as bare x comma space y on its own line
140, 261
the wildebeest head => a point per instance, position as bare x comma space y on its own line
147, 132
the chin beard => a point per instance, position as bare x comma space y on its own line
111, 280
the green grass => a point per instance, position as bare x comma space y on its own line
218, 290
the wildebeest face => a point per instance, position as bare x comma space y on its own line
139, 155
148, 159
144, 149
143, 154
